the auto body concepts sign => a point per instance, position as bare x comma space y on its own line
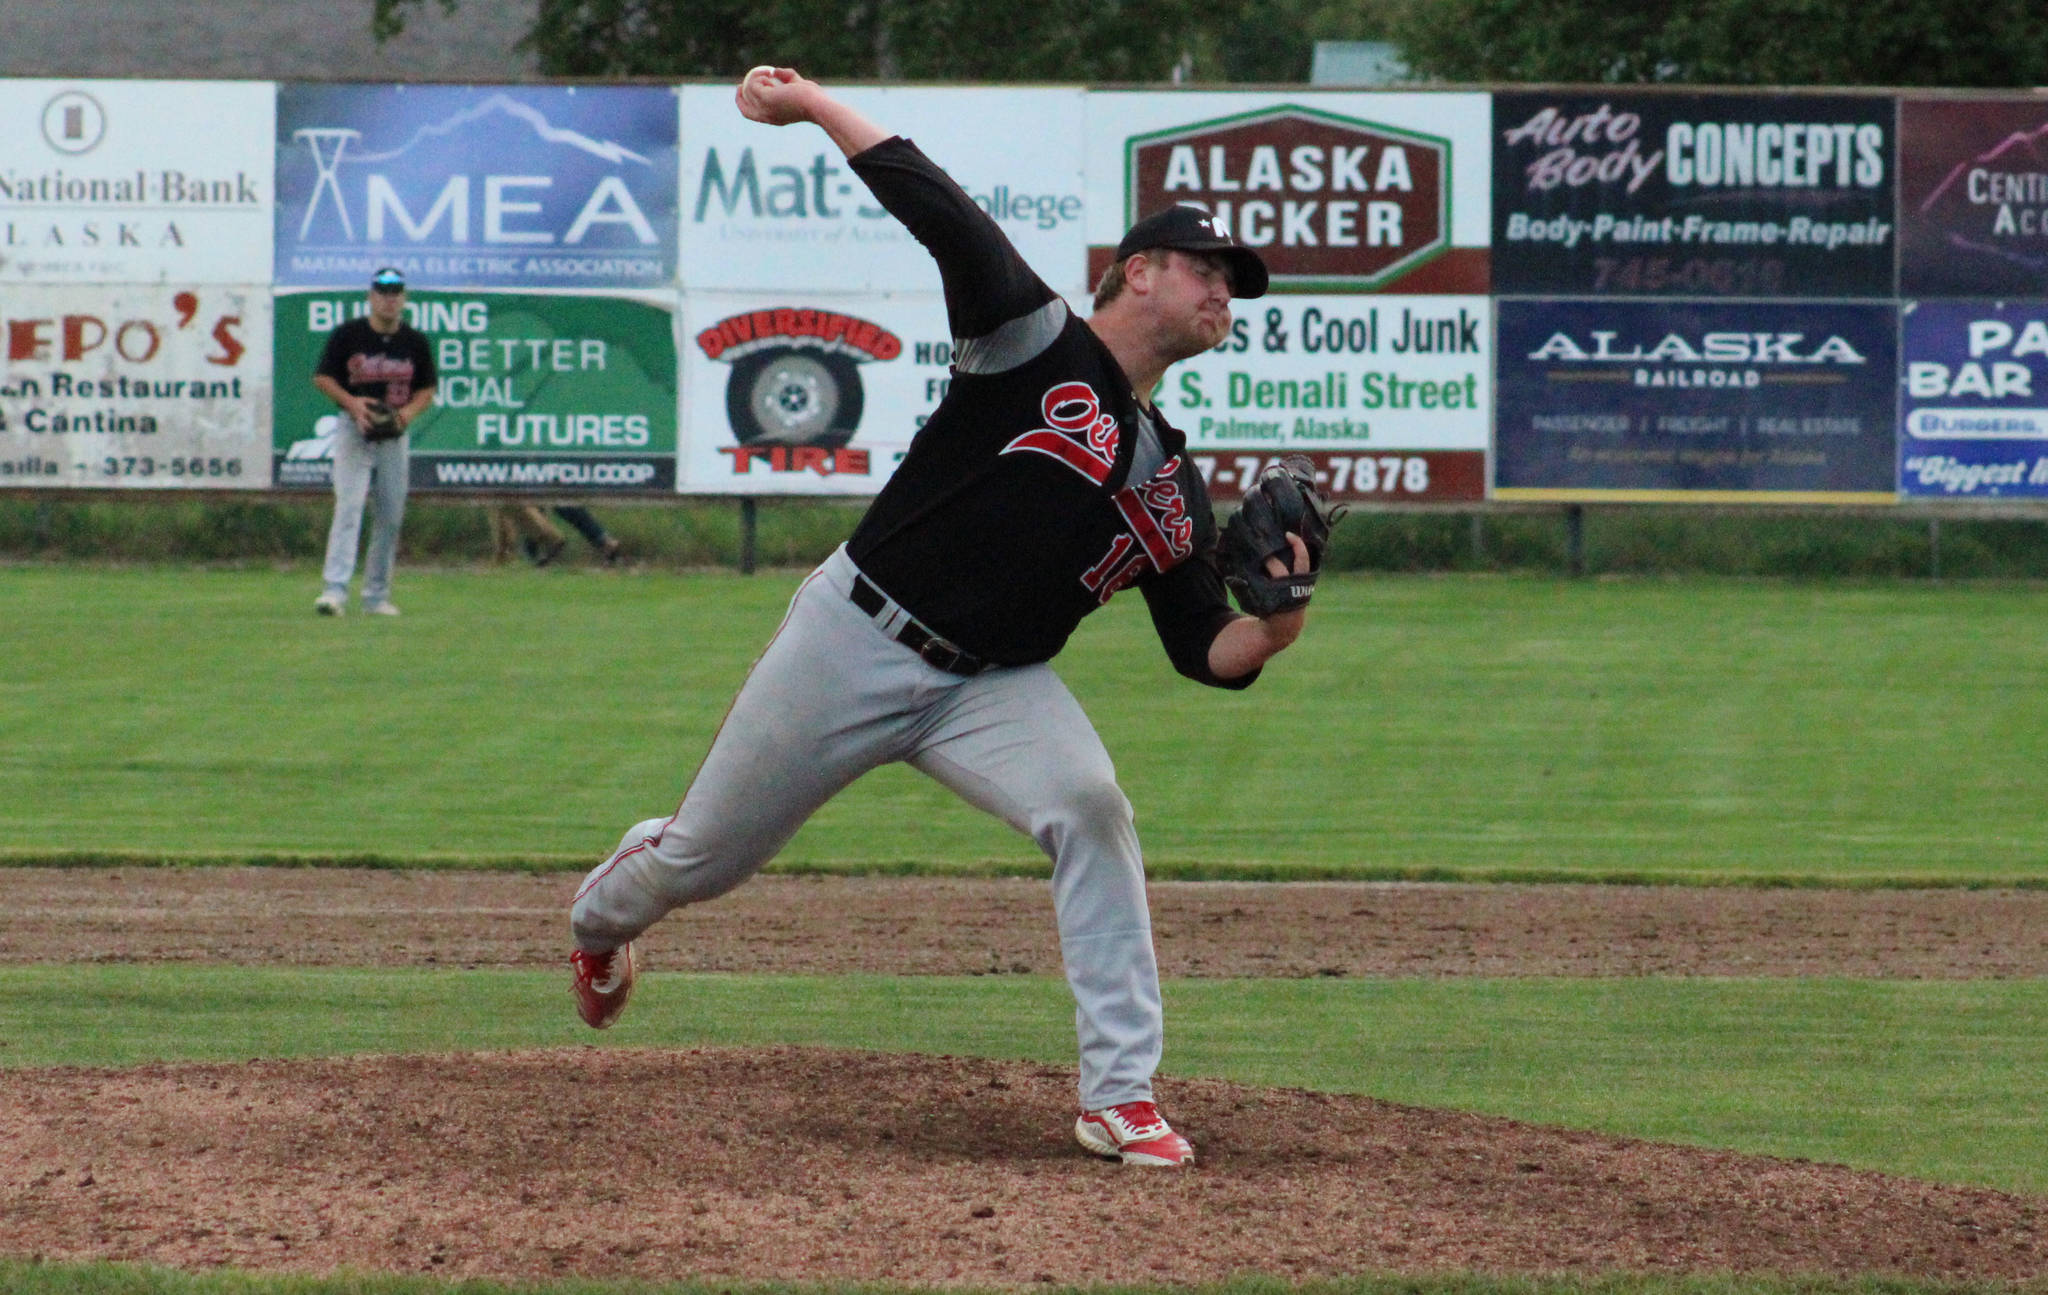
1973, 197
1975, 414
1696, 401
138, 387
1337, 192
779, 208
1687, 195
1391, 398
539, 393
477, 186
135, 181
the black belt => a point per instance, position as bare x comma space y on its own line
935, 650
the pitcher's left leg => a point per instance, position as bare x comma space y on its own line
1015, 743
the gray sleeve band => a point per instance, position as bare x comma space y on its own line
1014, 343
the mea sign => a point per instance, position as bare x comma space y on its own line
1325, 199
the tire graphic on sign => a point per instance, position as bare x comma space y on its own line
796, 373
790, 396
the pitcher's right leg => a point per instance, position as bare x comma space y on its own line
829, 700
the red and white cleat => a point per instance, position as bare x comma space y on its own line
604, 981
1135, 1133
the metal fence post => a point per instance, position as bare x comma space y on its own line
748, 529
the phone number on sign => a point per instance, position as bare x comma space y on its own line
145, 465
1339, 474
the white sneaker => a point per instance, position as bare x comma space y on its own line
1135, 1133
379, 609
328, 605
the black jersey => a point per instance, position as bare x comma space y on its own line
1016, 510
385, 366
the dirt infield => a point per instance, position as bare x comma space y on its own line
817, 1164
321, 917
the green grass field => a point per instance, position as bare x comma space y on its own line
1933, 1079
1467, 726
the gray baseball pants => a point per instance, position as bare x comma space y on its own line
358, 465
834, 696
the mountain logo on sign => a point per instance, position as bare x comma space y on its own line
507, 199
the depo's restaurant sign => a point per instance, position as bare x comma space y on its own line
1328, 201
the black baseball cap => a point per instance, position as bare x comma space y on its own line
388, 279
1190, 229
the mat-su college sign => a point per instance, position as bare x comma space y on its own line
1330, 202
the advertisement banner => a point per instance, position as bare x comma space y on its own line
1392, 399
477, 186
155, 387
539, 393
1700, 402
778, 208
1340, 192
1693, 195
805, 394
135, 181
1974, 417
1973, 197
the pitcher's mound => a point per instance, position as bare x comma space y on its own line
800, 1164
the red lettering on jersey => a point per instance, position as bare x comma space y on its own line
1117, 568
1078, 432
1162, 534
395, 373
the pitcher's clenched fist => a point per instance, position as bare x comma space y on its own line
771, 95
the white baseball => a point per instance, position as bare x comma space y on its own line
759, 70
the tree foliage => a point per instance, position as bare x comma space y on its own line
1989, 43
1719, 42
931, 40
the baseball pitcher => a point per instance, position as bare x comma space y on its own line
1045, 482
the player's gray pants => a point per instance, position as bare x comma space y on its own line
832, 698
357, 465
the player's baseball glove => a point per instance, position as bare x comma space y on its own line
383, 422
1283, 499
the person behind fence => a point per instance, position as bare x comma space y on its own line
379, 371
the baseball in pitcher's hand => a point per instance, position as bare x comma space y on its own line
774, 96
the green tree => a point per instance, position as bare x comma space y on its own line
1991, 43
933, 40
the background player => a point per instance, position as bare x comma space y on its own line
1043, 483
379, 357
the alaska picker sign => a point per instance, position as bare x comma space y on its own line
1693, 195
540, 393
1337, 192
135, 386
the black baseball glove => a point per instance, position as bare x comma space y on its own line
383, 424
1283, 499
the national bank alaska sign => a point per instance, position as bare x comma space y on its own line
477, 186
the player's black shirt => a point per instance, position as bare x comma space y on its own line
1015, 513
373, 364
